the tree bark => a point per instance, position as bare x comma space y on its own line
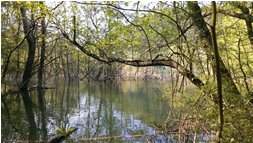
205, 37
10, 54
218, 74
250, 31
18, 52
42, 51
31, 51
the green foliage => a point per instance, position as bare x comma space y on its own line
107, 31
64, 131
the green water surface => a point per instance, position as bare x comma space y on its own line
97, 109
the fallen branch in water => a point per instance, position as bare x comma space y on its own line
61, 138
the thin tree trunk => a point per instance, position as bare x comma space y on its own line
42, 51
78, 66
241, 67
56, 66
68, 67
31, 51
63, 64
88, 68
18, 53
218, 74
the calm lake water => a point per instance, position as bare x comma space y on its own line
99, 110
127, 111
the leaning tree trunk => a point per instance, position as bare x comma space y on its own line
31, 51
205, 37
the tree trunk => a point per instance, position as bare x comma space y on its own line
18, 53
42, 51
250, 31
218, 74
68, 67
206, 39
78, 67
31, 51
10, 54
246, 11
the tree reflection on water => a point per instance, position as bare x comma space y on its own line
97, 110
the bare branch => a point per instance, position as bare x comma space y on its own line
57, 6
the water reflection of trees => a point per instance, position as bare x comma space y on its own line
24, 120
28, 105
139, 99
112, 115
96, 109
10, 128
43, 111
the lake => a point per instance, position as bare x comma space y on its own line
129, 111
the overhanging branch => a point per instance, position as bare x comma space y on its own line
141, 63
242, 16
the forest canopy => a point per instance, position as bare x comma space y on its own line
203, 43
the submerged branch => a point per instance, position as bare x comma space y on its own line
61, 138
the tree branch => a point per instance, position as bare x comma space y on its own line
137, 10
242, 16
142, 29
141, 63
57, 5
12, 50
